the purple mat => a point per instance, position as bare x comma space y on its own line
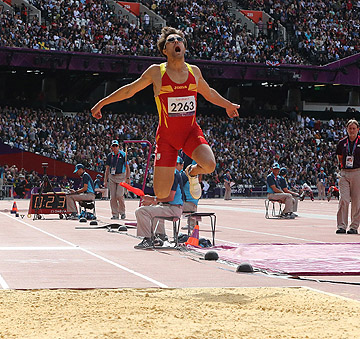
294, 259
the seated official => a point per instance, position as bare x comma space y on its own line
86, 193
276, 193
152, 207
284, 186
99, 187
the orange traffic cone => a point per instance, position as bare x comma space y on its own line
14, 209
194, 237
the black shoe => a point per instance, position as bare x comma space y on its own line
340, 231
288, 216
123, 216
352, 231
145, 244
162, 237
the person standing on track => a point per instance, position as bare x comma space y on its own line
348, 154
321, 184
227, 184
116, 170
176, 85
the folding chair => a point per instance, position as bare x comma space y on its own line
176, 227
198, 215
273, 208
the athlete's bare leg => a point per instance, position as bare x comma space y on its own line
205, 160
163, 181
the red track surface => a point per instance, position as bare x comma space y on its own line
51, 253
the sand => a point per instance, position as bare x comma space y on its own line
254, 313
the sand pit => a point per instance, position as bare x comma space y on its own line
177, 313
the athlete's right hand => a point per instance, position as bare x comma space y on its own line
96, 111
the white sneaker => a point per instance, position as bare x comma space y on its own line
195, 188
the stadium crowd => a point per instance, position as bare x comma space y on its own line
212, 32
322, 31
245, 146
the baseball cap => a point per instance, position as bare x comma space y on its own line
283, 170
179, 160
115, 142
78, 166
275, 165
322, 168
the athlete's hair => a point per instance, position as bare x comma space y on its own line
165, 32
352, 121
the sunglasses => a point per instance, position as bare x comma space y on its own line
114, 145
178, 38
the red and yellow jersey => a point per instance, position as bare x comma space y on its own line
176, 103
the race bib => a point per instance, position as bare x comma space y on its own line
349, 161
179, 106
113, 170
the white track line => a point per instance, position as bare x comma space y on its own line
38, 248
91, 253
3, 283
259, 211
330, 294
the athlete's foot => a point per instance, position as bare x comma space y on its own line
195, 188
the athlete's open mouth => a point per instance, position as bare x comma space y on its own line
177, 49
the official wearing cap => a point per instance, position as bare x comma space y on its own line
276, 193
116, 170
85, 192
321, 183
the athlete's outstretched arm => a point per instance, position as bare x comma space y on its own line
125, 92
214, 97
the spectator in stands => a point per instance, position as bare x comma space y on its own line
176, 126
116, 170
86, 192
276, 193
348, 154
256, 138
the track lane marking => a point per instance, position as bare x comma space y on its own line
140, 275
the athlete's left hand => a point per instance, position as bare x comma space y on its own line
232, 110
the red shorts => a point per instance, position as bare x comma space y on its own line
168, 144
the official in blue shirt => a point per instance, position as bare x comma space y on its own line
86, 192
284, 186
116, 170
276, 193
99, 187
167, 207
